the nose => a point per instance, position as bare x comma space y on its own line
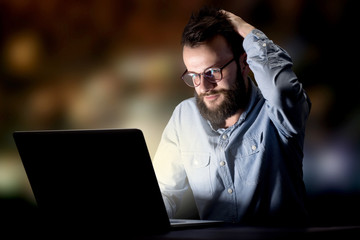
205, 86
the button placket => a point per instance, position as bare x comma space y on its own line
224, 140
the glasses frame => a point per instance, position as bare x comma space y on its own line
198, 75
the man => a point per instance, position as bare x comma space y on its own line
238, 145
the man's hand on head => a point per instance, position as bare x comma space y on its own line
242, 27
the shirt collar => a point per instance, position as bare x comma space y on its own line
254, 93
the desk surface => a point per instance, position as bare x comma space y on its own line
224, 232
17, 223
232, 232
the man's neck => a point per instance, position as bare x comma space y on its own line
233, 119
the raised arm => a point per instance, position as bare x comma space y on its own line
242, 27
287, 103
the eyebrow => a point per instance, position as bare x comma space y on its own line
212, 66
217, 65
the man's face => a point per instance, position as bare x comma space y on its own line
220, 100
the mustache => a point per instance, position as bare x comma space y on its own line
212, 92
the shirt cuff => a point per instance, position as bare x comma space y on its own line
255, 36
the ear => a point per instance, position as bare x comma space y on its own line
244, 65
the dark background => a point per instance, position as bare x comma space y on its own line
117, 64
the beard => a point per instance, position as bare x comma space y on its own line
234, 100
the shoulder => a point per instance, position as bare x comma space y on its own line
187, 105
186, 114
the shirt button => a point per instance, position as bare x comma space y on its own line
253, 147
264, 45
230, 191
224, 136
222, 163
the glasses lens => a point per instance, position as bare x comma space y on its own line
213, 74
190, 79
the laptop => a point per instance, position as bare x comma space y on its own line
95, 180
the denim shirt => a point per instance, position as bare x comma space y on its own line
250, 172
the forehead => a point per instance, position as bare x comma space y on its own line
207, 54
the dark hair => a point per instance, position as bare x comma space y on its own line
207, 23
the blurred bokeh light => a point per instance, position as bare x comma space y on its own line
116, 64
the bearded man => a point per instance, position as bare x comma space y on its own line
238, 144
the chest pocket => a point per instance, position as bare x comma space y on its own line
248, 160
197, 166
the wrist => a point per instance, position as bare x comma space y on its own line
245, 29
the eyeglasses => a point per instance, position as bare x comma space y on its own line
211, 74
